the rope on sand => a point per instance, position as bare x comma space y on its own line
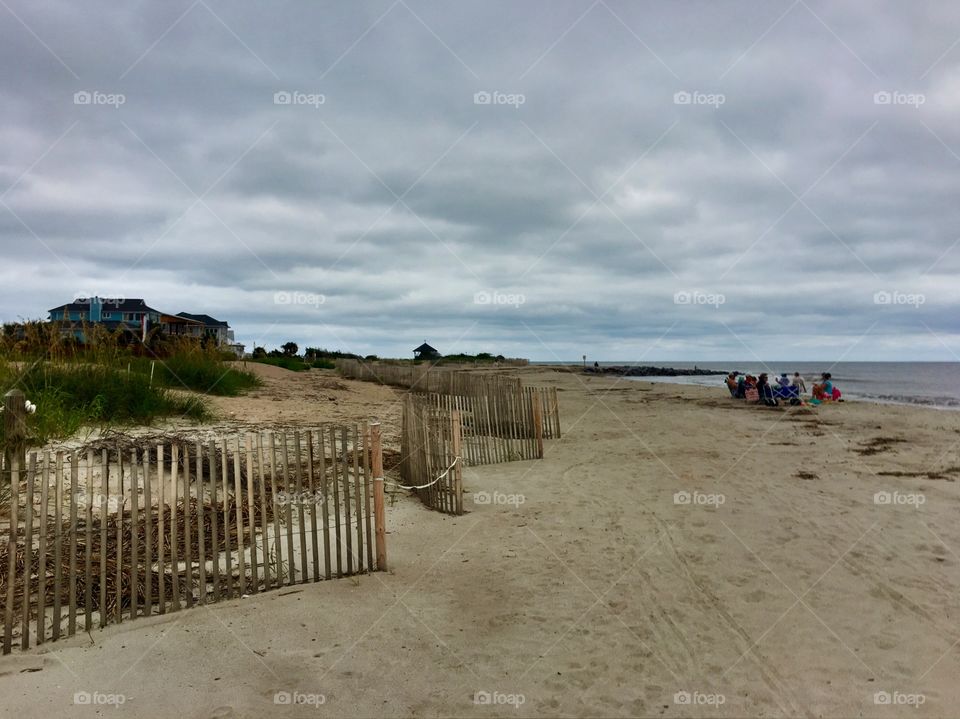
428, 484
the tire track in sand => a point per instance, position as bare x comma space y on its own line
771, 678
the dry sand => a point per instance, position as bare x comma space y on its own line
599, 594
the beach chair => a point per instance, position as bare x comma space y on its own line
768, 397
788, 393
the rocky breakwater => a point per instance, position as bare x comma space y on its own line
650, 371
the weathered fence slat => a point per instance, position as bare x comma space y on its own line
161, 535
264, 534
238, 505
174, 553
336, 497
291, 559
327, 573
251, 516
314, 497
201, 524
57, 547
148, 534
302, 526
14, 466
227, 554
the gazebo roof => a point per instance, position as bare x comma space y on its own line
425, 348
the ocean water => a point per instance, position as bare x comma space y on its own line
934, 384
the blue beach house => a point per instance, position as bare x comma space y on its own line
131, 316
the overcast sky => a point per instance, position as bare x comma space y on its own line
628, 180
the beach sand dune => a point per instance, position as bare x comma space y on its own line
675, 554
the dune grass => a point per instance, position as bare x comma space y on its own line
199, 370
70, 396
108, 381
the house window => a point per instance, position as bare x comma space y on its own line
131, 316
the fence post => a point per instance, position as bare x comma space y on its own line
538, 422
457, 435
14, 429
379, 519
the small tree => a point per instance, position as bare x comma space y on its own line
290, 348
259, 352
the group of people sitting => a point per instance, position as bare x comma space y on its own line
788, 389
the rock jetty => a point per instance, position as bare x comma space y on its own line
650, 371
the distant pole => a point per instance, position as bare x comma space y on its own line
379, 517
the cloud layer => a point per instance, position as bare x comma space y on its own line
633, 181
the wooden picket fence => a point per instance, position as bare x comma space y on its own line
106, 534
505, 405
442, 433
430, 445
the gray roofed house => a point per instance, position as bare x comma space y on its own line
426, 352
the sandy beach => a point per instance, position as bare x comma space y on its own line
676, 554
